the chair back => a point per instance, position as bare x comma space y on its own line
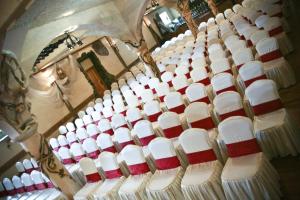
123, 137
110, 165
77, 151
170, 123
91, 148
89, 169
144, 131
105, 143
223, 82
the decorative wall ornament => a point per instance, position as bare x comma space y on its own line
100, 48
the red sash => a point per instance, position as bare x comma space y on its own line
109, 131
249, 43
28, 171
146, 86
146, 140
231, 88
29, 188
228, 71
113, 174
68, 161
276, 31
201, 156
92, 178
20, 190
248, 82
12, 192
40, 186
188, 76
162, 98
239, 112
242, 37
167, 163
243, 148
205, 81
94, 154
95, 136
153, 117
271, 56
173, 132
280, 15
178, 109
206, 123
123, 113
267, 107
239, 66
78, 158
182, 90
124, 144
204, 99
56, 149
137, 169
3, 193
50, 185
135, 121
153, 90
110, 149
124, 126
170, 83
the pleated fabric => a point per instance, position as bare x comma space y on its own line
109, 189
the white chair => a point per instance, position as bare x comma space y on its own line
134, 187
98, 100
275, 65
180, 83
258, 35
167, 77
71, 137
27, 165
132, 101
202, 178
107, 102
174, 102
77, 151
170, 124
20, 167
71, 127
165, 182
91, 148
93, 179
9, 187
81, 113
105, 143
38, 180
118, 120
153, 82
241, 57
200, 75
65, 156
220, 65
79, 123
223, 82
123, 137
162, 90
228, 104
246, 165
18, 185
274, 128
99, 107
62, 130
104, 126
89, 110
152, 110
120, 108
114, 177
196, 92
147, 95
54, 144
28, 183
133, 115
108, 112
81, 134
144, 131
63, 142
92, 131
183, 70
34, 164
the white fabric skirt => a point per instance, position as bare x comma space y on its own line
277, 134
250, 177
165, 185
87, 191
109, 189
284, 43
203, 181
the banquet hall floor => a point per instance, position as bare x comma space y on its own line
289, 168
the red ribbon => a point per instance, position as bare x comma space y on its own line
124, 144
276, 31
146, 140
204, 99
178, 109
167, 163
239, 66
206, 123
95, 136
153, 91
78, 158
50, 185
12, 192
162, 98
137, 169
116, 173
242, 37
110, 149
188, 76
248, 82
56, 149
201, 156
28, 171
182, 90
68, 161
205, 81
231, 88
239, 112
243, 148
135, 121
30, 188
280, 15
124, 126
40, 186
94, 154
109, 131
267, 107
173, 132
20, 190
92, 178
153, 117
271, 56
3, 193
146, 86
249, 43
170, 83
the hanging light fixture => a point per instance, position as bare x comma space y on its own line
72, 41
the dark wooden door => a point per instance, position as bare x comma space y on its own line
98, 83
